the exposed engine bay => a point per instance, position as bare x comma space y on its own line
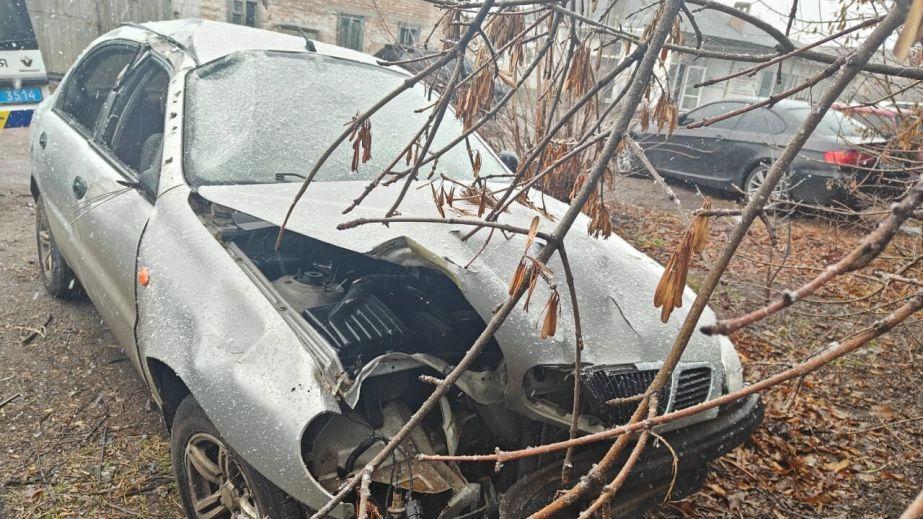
365, 305
392, 304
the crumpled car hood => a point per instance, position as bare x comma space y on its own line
615, 282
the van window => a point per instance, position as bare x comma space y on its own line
15, 26
91, 82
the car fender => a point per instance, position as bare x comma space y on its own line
750, 166
201, 315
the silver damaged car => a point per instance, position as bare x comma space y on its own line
162, 169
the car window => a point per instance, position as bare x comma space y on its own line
832, 124
134, 127
714, 110
254, 115
761, 121
90, 83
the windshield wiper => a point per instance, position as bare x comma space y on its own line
280, 177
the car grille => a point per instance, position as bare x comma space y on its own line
693, 387
602, 385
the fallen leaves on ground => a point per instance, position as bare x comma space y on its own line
846, 441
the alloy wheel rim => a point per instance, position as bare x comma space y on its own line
756, 181
217, 485
45, 248
624, 161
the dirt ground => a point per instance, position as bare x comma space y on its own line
79, 438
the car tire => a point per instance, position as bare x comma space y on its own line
626, 163
56, 275
220, 478
754, 180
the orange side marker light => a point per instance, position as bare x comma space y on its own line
144, 276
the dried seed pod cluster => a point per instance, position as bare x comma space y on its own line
669, 292
529, 276
361, 137
476, 98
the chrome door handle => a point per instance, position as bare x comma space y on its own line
43, 140
79, 187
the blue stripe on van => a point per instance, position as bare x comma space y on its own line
17, 118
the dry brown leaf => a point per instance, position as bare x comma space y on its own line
518, 277
552, 310
700, 229
437, 199
838, 466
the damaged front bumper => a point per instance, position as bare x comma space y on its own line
653, 475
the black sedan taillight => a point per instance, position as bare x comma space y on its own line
848, 157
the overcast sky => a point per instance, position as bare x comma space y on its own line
806, 27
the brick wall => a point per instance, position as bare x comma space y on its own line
381, 19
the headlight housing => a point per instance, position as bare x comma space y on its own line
733, 370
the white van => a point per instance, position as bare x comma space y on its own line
23, 81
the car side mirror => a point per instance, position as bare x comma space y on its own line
510, 160
149, 180
682, 119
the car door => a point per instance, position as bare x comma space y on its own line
757, 137
124, 181
694, 153
63, 153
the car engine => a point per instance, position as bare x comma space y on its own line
390, 310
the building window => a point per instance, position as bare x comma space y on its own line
408, 34
243, 12
350, 31
683, 79
768, 85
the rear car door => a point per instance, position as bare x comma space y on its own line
63, 149
757, 137
696, 153
124, 181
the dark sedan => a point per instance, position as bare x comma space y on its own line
736, 153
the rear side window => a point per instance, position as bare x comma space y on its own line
761, 121
832, 124
90, 83
714, 110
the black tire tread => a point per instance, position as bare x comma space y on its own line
190, 418
63, 283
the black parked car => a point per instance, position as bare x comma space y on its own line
735, 154
394, 52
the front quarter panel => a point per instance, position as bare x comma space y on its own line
202, 316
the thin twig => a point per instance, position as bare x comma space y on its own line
833, 352
867, 250
568, 467
10, 399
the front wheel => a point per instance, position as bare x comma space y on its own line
626, 163
213, 481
